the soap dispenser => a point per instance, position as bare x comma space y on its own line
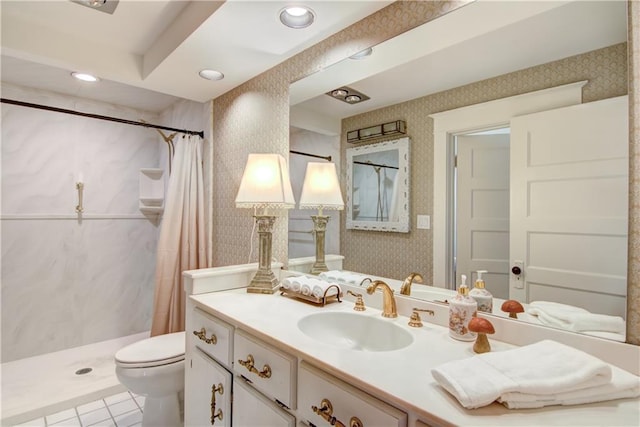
482, 296
461, 309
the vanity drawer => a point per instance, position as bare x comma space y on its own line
213, 336
332, 397
272, 372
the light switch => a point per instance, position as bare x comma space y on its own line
424, 222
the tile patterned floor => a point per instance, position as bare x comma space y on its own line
120, 410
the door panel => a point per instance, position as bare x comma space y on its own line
569, 186
482, 210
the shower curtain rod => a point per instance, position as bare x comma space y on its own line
375, 165
327, 158
100, 117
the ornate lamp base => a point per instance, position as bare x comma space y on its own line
264, 282
319, 227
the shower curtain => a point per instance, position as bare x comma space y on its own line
181, 245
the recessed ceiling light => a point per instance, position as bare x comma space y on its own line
211, 75
85, 77
362, 54
297, 16
339, 93
353, 98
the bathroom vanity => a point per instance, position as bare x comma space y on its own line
285, 364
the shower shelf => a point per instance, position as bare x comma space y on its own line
151, 191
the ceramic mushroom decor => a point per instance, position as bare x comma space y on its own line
482, 327
512, 307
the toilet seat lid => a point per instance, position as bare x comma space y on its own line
160, 349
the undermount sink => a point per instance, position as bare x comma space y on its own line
355, 331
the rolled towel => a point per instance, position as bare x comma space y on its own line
320, 287
623, 385
286, 283
575, 319
331, 274
544, 368
305, 288
296, 284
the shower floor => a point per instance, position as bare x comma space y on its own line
46, 384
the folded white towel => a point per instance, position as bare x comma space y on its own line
623, 385
575, 319
320, 287
546, 367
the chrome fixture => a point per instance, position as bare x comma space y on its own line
348, 95
107, 6
398, 127
406, 285
388, 300
297, 16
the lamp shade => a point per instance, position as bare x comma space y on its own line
265, 183
321, 189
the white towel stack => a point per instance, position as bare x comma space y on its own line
344, 277
320, 287
575, 318
542, 374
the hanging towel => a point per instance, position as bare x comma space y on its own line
544, 368
575, 319
623, 385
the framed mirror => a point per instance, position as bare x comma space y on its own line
378, 186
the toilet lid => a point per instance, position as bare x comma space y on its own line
161, 349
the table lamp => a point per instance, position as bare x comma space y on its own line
265, 185
321, 190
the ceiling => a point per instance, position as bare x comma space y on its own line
478, 41
148, 52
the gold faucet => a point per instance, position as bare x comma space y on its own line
388, 300
405, 289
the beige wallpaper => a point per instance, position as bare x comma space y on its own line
633, 281
396, 255
254, 118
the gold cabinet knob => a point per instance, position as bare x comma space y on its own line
202, 335
249, 364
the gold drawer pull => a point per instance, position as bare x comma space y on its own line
203, 336
215, 414
249, 364
326, 412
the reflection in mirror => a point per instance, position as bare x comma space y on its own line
448, 64
378, 186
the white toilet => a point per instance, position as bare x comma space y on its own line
154, 368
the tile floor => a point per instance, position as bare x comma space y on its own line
120, 410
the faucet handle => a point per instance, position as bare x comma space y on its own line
415, 319
359, 305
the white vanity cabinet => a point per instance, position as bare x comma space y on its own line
208, 379
325, 400
251, 409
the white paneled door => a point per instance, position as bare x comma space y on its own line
482, 210
568, 203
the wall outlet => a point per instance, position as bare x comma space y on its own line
424, 222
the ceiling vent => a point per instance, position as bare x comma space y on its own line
107, 6
348, 95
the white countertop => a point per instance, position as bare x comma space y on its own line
401, 377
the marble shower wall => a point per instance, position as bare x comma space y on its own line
70, 280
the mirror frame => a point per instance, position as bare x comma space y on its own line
404, 162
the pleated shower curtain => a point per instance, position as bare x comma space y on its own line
181, 245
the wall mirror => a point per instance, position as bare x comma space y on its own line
432, 59
378, 186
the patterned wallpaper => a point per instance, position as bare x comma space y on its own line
396, 255
633, 277
254, 117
